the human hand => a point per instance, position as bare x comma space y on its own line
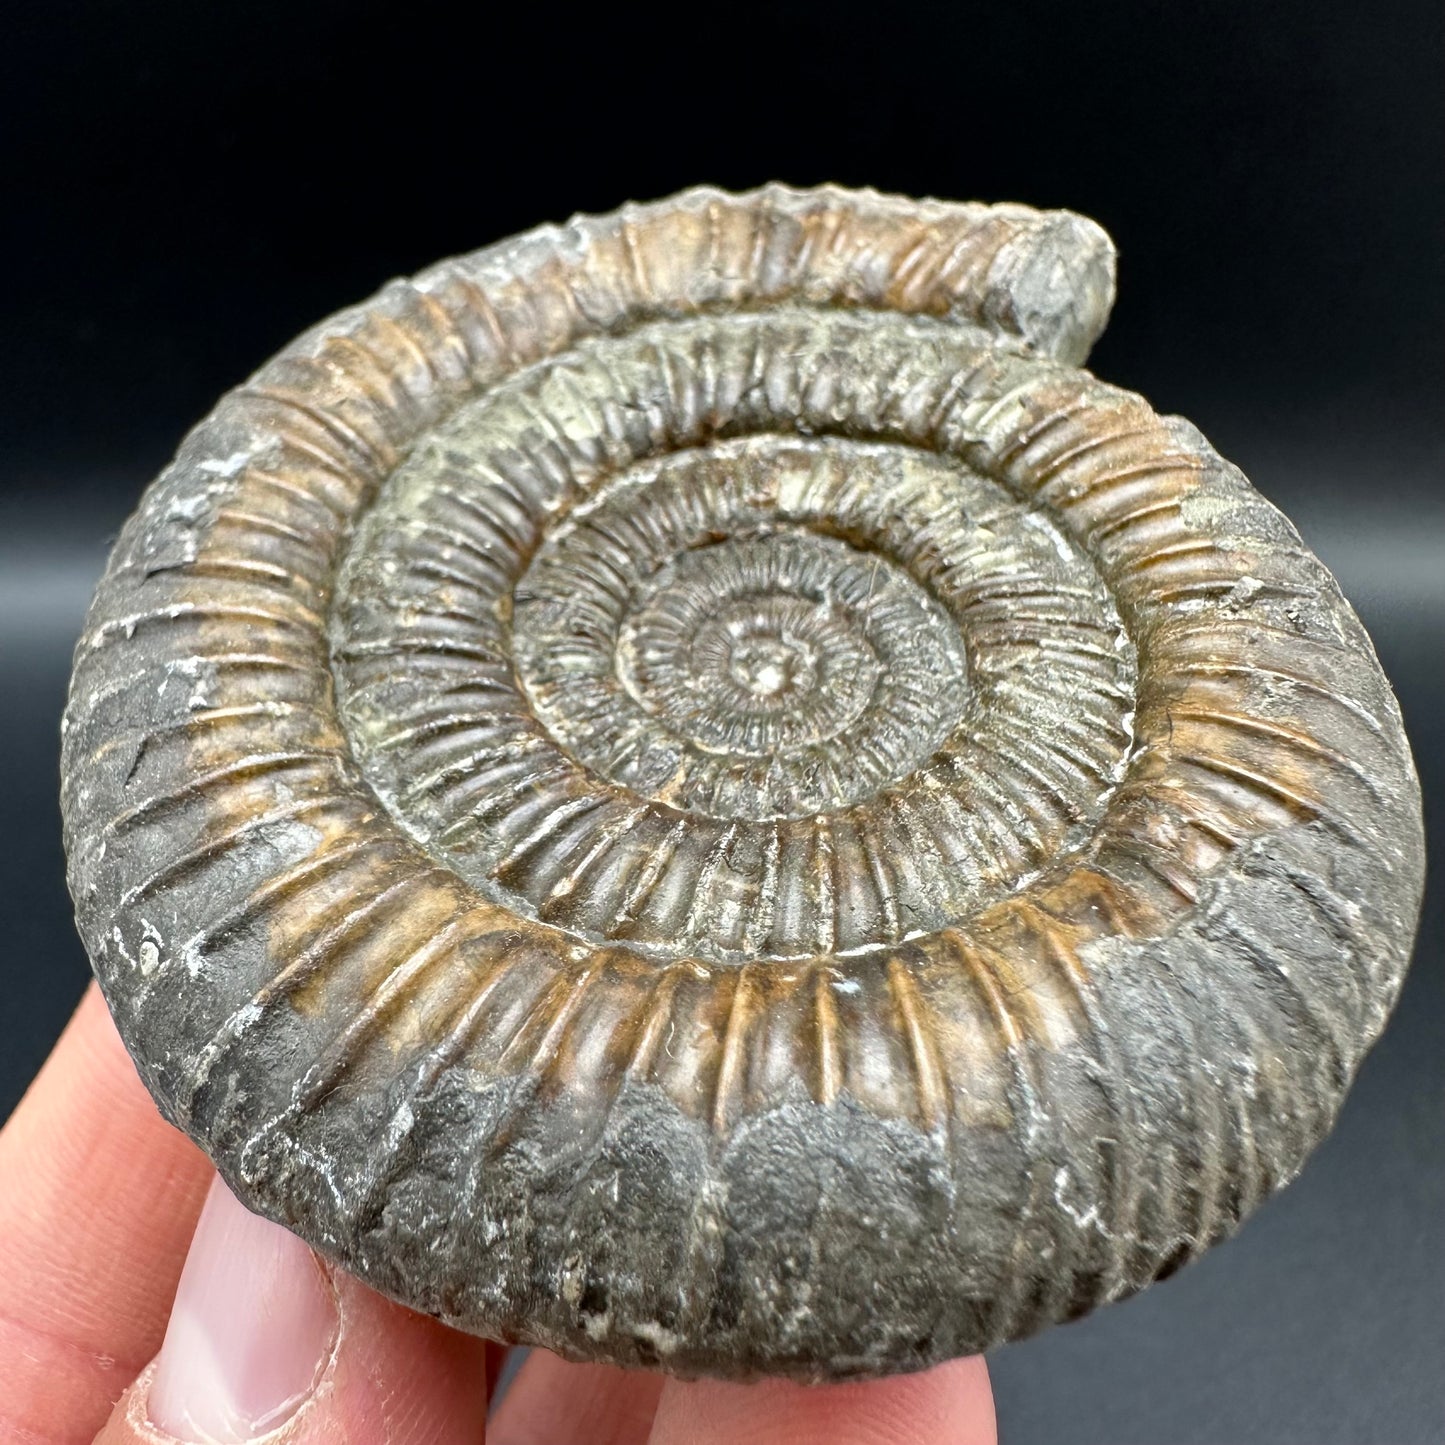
99, 1199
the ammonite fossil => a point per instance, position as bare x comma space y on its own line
689, 789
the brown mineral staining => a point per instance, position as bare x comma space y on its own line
688, 789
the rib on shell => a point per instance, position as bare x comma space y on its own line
687, 788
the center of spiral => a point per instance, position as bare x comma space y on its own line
769, 666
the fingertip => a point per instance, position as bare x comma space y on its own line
555, 1402
252, 1328
950, 1403
98, 1195
265, 1343
425, 1382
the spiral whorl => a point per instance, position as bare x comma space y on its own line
688, 789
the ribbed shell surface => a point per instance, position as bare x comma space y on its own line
688, 788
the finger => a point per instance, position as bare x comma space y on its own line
98, 1197
949, 1405
496, 1363
554, 1403
265, 1342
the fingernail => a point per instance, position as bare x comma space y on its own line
251, 1331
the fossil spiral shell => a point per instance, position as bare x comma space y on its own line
689, 789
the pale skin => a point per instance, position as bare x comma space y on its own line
99, 1200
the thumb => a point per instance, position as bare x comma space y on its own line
262, 1338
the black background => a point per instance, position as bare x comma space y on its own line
184, 186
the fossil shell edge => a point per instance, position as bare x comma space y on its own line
688, 789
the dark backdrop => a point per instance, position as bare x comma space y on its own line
187, 185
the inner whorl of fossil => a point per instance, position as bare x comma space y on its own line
761, 695
773, 675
